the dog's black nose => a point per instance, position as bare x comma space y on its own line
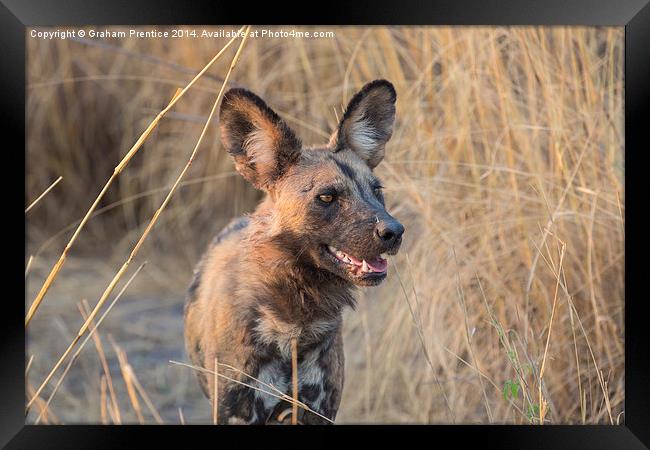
389, 232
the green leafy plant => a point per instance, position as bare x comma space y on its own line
511, 389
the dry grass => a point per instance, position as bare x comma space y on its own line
120, 167
506, 167
40, 197
144, 235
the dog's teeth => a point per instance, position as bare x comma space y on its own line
364, 266
384, 256
332, 249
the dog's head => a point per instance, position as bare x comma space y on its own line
328, 206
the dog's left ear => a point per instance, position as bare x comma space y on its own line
368, 122
261, 143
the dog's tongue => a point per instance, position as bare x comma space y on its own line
377, 264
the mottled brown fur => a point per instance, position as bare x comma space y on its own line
268, 277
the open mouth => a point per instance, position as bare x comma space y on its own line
360, 267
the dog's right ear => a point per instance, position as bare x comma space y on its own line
261, 143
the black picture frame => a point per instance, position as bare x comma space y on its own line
634, 15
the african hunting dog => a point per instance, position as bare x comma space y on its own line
288, 269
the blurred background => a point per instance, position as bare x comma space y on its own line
506, 166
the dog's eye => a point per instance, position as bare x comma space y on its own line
326, 198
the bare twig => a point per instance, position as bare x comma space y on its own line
294, 380
542, 402
102, 400
31, 205
215, 394
280, 396
127, 375
29, 364
85, 311
29, 265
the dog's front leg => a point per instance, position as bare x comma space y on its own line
324, 400
321, 382
239, 406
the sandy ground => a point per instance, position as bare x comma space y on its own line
149, 328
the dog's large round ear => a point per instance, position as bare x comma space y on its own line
367, 123
261, 143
